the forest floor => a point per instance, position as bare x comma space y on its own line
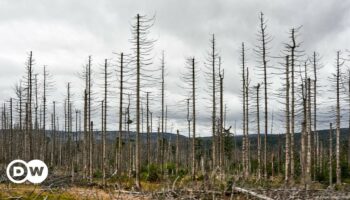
79, 193
72, 192
62, 188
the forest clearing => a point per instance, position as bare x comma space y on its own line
139, 124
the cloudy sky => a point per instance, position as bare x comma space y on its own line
62, 34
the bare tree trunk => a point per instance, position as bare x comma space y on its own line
221, 133
119, 149
258, 127
303, 133
29, 108
90, 149
279, 154
213, 62
264, 60
138, 66
287, 176
158, 145
315, 114
129, 139
53, 136
189, 133
349, 118
247, 150
194, 119
37, 139
330, 154
293, 46
244, 109
103, 138
104, 131
177, 152
338, 171
148, 133
45, 147
11, 132
308, 149
90, 123
162, 115
69, 158
85, 142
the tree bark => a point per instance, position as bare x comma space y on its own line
338, 171
258, 126
287, 175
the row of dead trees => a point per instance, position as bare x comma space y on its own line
298, 94
89, 150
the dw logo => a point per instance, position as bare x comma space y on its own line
35, 171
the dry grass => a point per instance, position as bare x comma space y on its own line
24, 191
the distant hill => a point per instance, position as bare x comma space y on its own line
272, 138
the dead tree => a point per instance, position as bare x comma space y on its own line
19, 93
258, 128
189, 78
104, 131
244, 109
287, 123
316, 67
44, 112
211, 78
337, 147
303, 133
292, 50
88, 104
4, 124
189, 132
103, 138
148, 131
308, 131
37, 139
349, 116
193, 118
262, 51
68, 106
142, 47
86, 135
90, 149
292, 59
11, 131
162, 114
221, 127
29, 125
47, 86
129, 150
177, 159
53, 134
247, 142
330, 154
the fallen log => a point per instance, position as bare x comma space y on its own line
254, 194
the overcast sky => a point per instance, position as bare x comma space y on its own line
62, 34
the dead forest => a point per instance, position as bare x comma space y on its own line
293, 135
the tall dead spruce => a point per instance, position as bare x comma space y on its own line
189, 77
212, 79
287, 122
119, 137
337, 147
262, 51
142, 47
